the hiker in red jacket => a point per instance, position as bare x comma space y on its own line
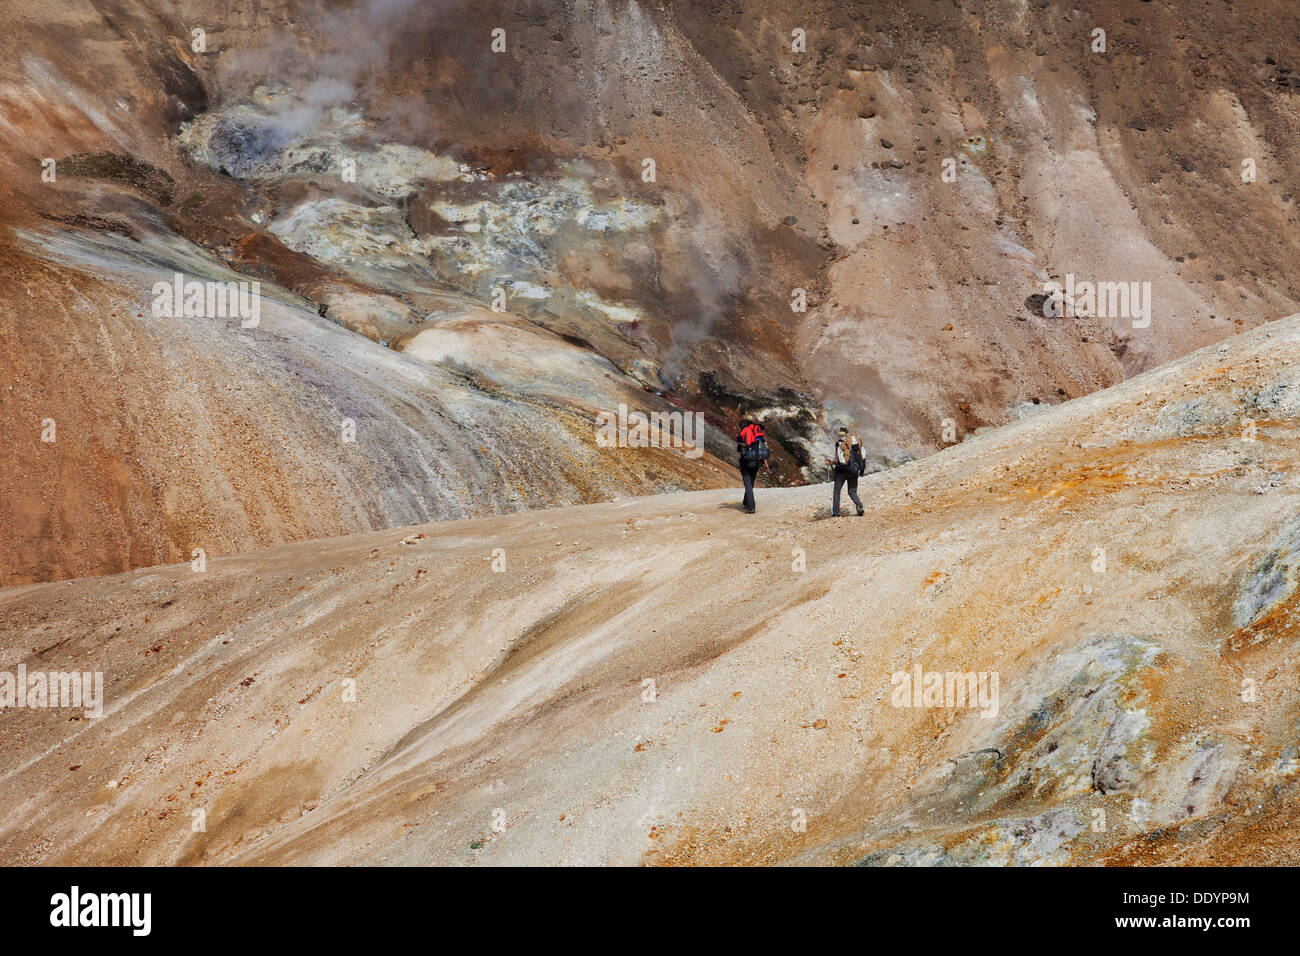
751, 446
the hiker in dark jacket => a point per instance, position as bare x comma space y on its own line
751, 446
849, 464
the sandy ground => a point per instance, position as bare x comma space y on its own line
478, 691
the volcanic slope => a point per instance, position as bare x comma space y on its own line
479, 691
778, 167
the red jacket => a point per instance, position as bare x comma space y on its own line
749, 434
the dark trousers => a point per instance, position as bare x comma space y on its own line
853, 492
749, 474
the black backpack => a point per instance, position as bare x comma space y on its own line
855, 467
755, 453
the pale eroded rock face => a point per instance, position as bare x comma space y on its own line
300, 428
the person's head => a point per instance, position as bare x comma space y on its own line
844, 431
